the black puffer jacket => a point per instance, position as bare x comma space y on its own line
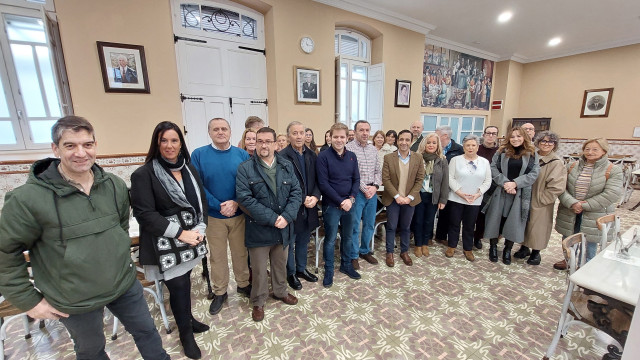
262, 207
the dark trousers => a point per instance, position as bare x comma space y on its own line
180, 301
423, 219
442, 228
87, 330
479, 232
297, 257
398, 217
466, 214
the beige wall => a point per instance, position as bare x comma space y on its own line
123, 122
555, 88
506, 87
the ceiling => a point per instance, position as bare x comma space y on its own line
471, 26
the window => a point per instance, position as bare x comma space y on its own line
353, 45
461, 125
31, 99
352, 50
216, 20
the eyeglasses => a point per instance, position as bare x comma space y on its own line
262, 143
547, 142
491, 133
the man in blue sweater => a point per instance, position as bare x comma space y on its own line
339, 182
217, 165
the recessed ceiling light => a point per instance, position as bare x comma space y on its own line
505, 16
555, 41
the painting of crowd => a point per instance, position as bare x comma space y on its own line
455, 80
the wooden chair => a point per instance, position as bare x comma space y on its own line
152, 287
605, 224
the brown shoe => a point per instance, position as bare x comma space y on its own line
390, 261
442, 242
369, 258
561, 265
258, 313
289, 299
405, 257
355, 264
469, 255
449, 252
425, 250
430, 242
417, 251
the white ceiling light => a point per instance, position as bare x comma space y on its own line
555, 41
505, 16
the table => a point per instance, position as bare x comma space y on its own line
614, 281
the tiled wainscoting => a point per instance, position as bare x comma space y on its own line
616, 147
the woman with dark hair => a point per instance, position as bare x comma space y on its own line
169, 203
310, 141
248, 141
514, 169
327, 141
391, 138
551, 182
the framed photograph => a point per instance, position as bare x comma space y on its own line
403, 93
596, 103
123, 67
307, 86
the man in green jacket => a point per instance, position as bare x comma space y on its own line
73, 218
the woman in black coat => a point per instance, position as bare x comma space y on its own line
169, 203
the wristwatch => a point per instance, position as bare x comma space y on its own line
353, 200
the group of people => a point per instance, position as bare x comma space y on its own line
261, 199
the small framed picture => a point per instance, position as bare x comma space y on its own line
596, 103
123, 67
307, 86
403, 93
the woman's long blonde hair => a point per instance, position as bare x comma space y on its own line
243, 146
423, 144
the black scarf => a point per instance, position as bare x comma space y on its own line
189, 186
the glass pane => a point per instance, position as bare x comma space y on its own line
249, 27
21, 28
478, 133
28, 79
7, 136
359, 73
364, 49
343, 70
348, 45
41, 131
354, 101
444, 121
479, 125
220, 20
48, 80
190, 16
454, 128
335, 44
362, 114
343, 100
429, 122
467, 122
463, 134
4, 109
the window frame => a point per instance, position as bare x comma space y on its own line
457, 130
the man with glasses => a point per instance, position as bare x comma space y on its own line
269, 194
487, 149
530, 130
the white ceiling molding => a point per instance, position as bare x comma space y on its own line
598, 47
438, 41
363, 8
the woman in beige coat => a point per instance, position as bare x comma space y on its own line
551, 182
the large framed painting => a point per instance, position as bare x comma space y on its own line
455, 80
123, 67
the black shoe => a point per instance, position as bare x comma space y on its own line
327, 282
294, 282
522, 253
478, 244
190, 347
307, 276
216, 304
534, 259
246, 291
350, 272
493, 250
506, 256
198, 327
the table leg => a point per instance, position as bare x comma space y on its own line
561, 323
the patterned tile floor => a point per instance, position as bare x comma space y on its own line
439, 308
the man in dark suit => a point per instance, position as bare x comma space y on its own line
304, 165
123, 73
450, 149
309, 89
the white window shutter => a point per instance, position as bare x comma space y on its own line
375, 96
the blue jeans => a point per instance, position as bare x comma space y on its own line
331, 216
87, 330
398, 217
297, 257
424, 218
364, 209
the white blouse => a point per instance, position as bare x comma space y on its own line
469, 177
